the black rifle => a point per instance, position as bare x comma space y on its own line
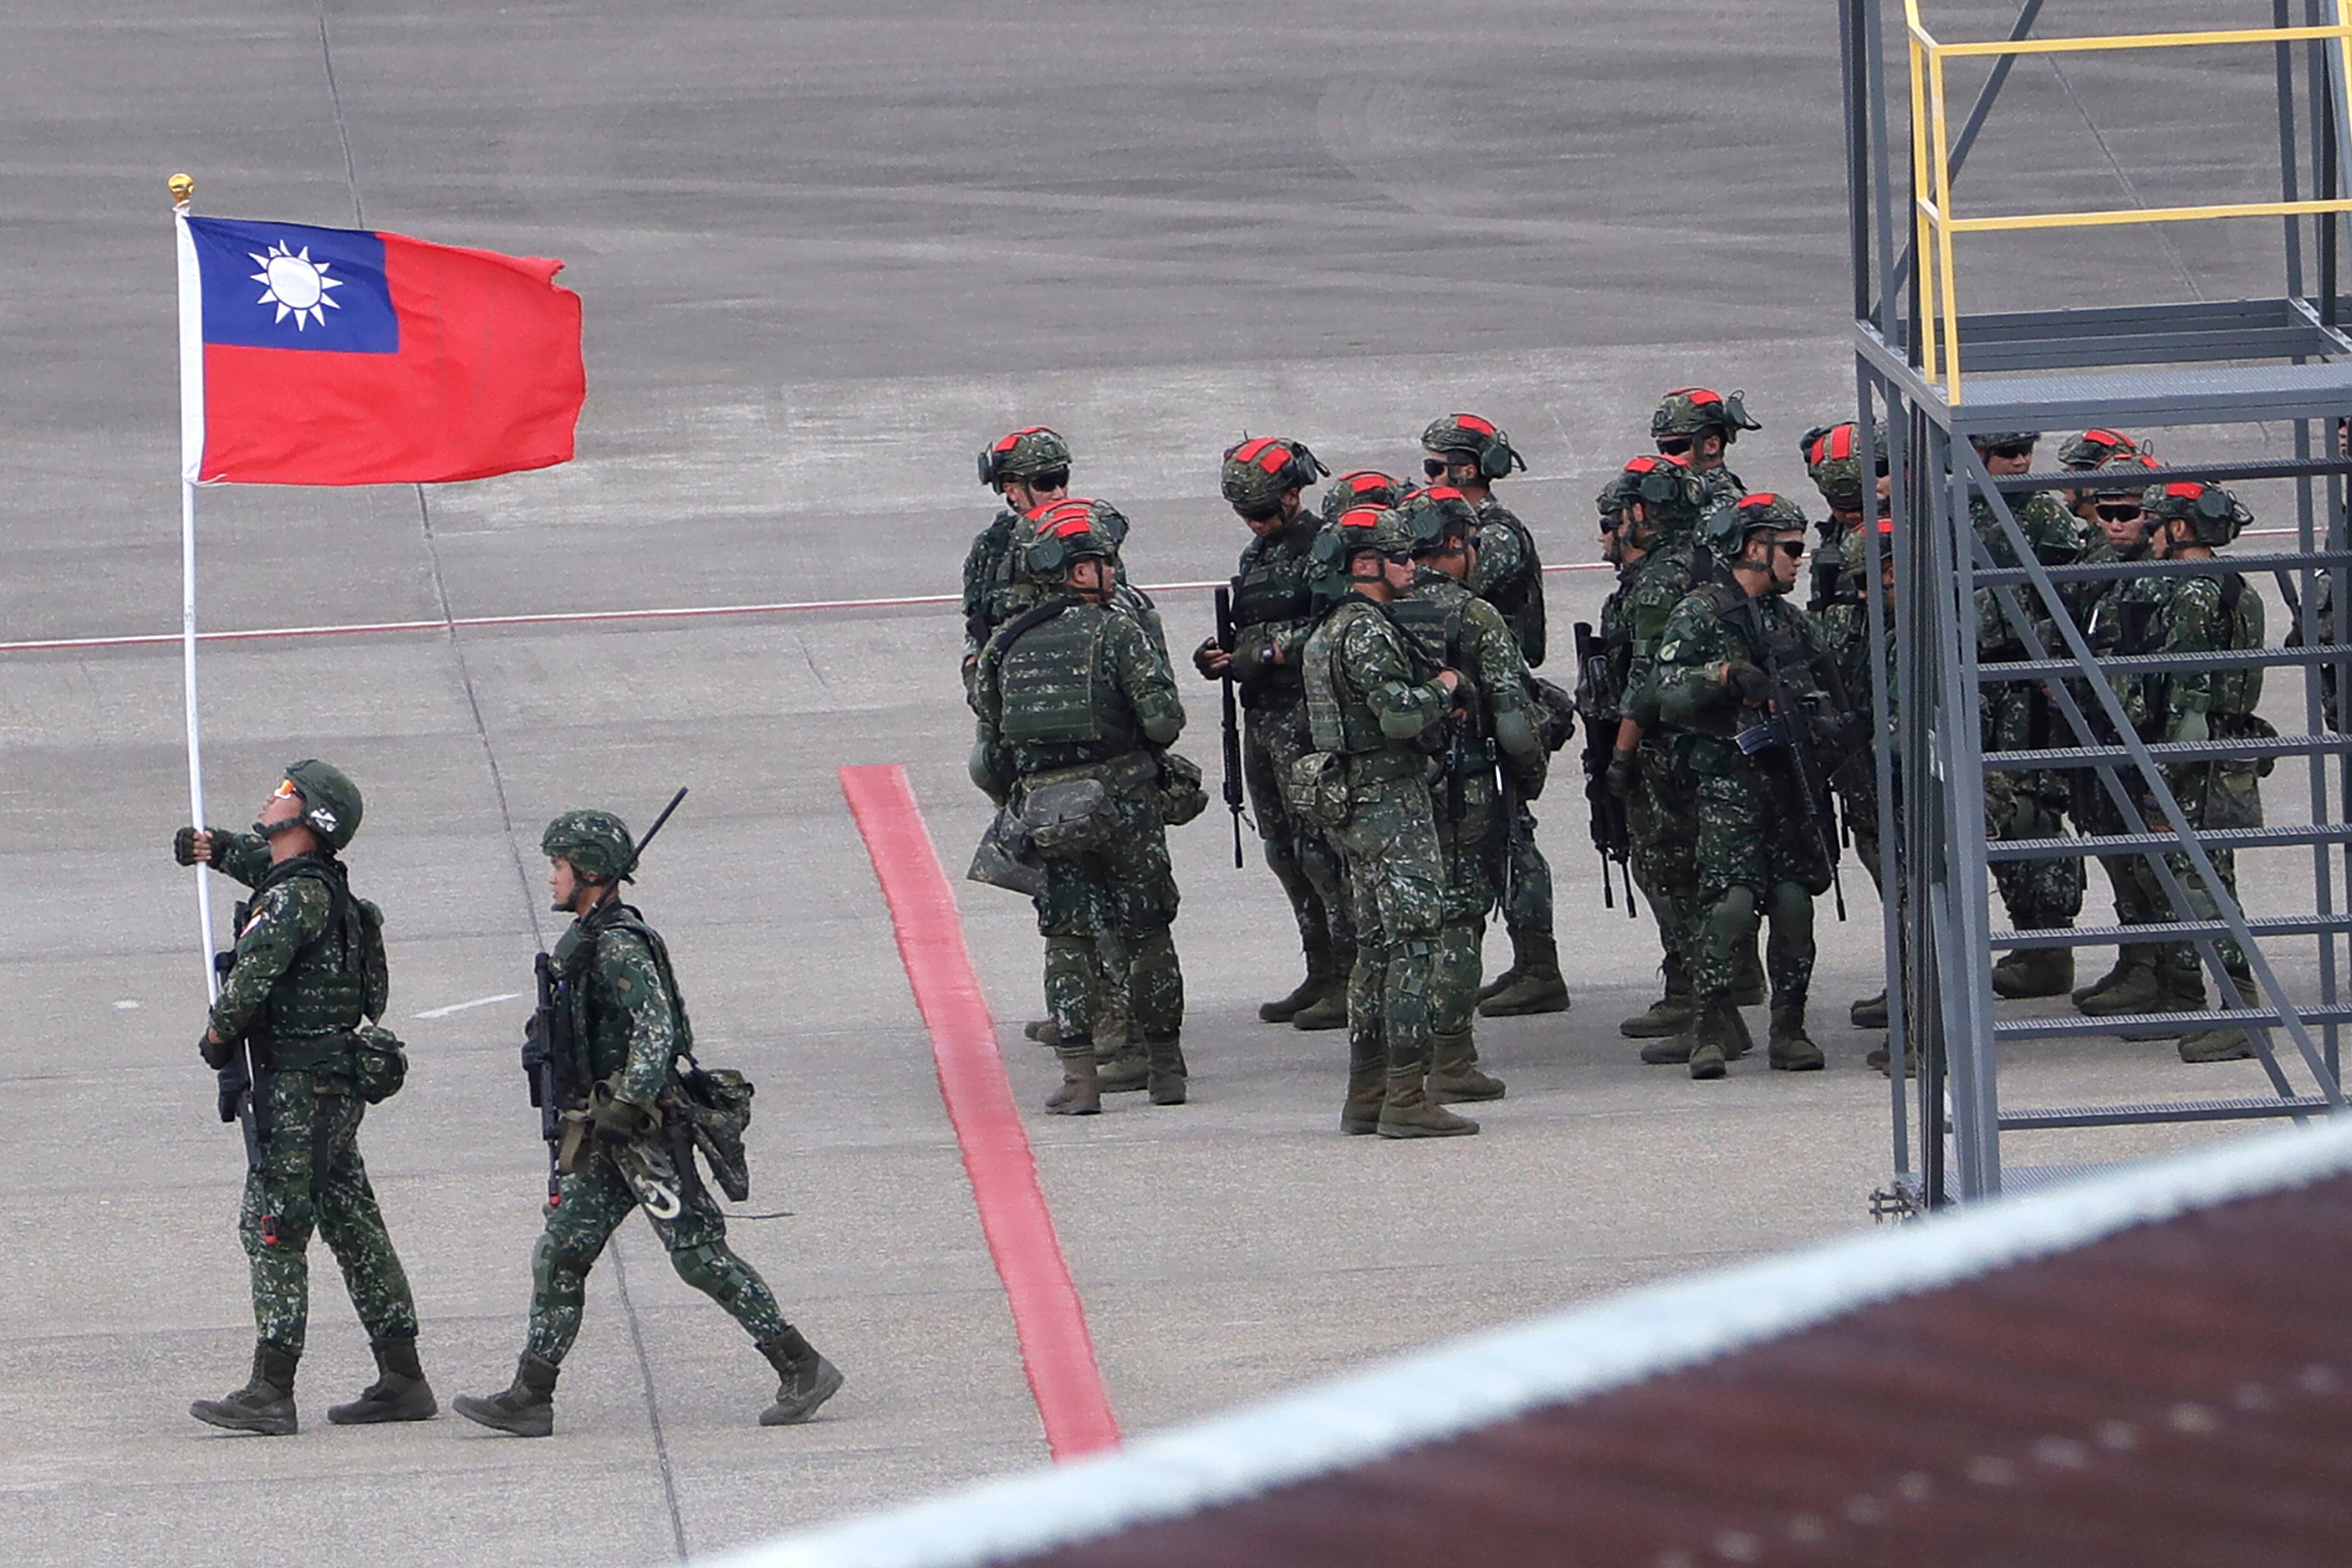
245, 1095
1230, 718
1793, 723
551, 1056
1612, 831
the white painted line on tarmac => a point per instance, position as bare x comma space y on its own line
461, 1007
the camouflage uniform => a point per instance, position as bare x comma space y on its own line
630, 1026
1723, 486
2040, 895
1509, 576
1760, 849
1073, 690
1661, 807
1274, 610
1459, 630
988, 578
1372, 701
298, 980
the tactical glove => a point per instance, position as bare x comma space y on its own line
1201, 659
1622, 765
234, 1083
2191, 726
217, 1054
183, 845
1750, 684
620, 1122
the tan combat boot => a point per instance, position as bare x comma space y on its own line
1538, 988
1079, 1094
1165, 1062
1454, 1072
2031, 972
1408, 1112
1329, 1011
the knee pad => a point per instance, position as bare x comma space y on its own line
1789, 901
704, 1266
557, 1275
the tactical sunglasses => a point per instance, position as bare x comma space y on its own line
1258, 513
1435, 468
2009, 451
2120, 512
1674, 445
1794, 549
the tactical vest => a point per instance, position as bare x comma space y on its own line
1519, 597
607, 1043
335, 978
1055, 689
1434, 618
1766, 634
1339, 717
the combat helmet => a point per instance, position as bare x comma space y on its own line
1070, 531
1431, 515
1023, 454
2098, 449
1258, 471
1727, 529
1479, 438
1672, 497
1612, 500
1359, 487
330, 802
2213, 513
1688, 411
596, 843
1994, 440
1832, 455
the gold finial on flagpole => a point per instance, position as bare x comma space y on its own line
182, 187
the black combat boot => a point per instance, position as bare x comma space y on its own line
1312, 989
1165, 1059
1790, 1048
398, 1394
1079, 1094
1329, 1011
266, 1403
527, 1408
1869, 1012
805, 1379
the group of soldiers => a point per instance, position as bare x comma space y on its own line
296, 1039
1392, 736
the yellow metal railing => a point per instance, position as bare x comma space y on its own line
1931, 165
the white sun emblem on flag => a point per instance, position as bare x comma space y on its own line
294, 284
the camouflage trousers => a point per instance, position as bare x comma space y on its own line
1470, 850
1398, 878
341, 1208
1303, 860
594, 1200
1105, 916
1527, 880
1664, 854
2211, 797
2040, 895
1759, 857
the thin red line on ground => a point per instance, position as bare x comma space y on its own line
1056, 1350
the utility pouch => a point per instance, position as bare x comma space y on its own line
1316, 788
1183, 794
1068, 818
1006, 857
379, 1063
1556, 714
715, 1103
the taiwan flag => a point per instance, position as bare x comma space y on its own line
335, 356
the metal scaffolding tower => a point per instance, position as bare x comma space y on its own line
1938, 374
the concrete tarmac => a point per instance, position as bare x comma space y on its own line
826, 255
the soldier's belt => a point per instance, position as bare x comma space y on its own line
1381, 766
1130, 770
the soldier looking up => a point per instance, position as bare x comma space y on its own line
284, 1035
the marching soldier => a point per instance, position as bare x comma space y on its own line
1739, 678
1468, 453
1494, 721
2199, 613
1373, 702
1077, 707
621, 1151
1273, 610
286, 1037
1698, 425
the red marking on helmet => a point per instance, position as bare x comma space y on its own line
1276, 459
1760, 499
1247, 452
1474, 424
1365, 479
1836, 446
1644, 464
1060, 511
2111, 438
1442, 492
1065, 527
2145, 461
1886, 525
1013, 440
1361, 517
1697, 395
2185, 491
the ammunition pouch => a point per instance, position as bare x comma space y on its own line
1556, 714
1070, 812
1183, 793
1316, 787
1006, 857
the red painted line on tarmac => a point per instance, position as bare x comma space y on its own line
1056, 1351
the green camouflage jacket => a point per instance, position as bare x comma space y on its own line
628, 1018
1274, 612
1368, 689
1509, 576
1710, 628
1649, 590
1098, 677
1459, 631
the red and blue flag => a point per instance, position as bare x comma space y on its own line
333, 356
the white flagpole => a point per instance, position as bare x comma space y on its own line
191, 452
